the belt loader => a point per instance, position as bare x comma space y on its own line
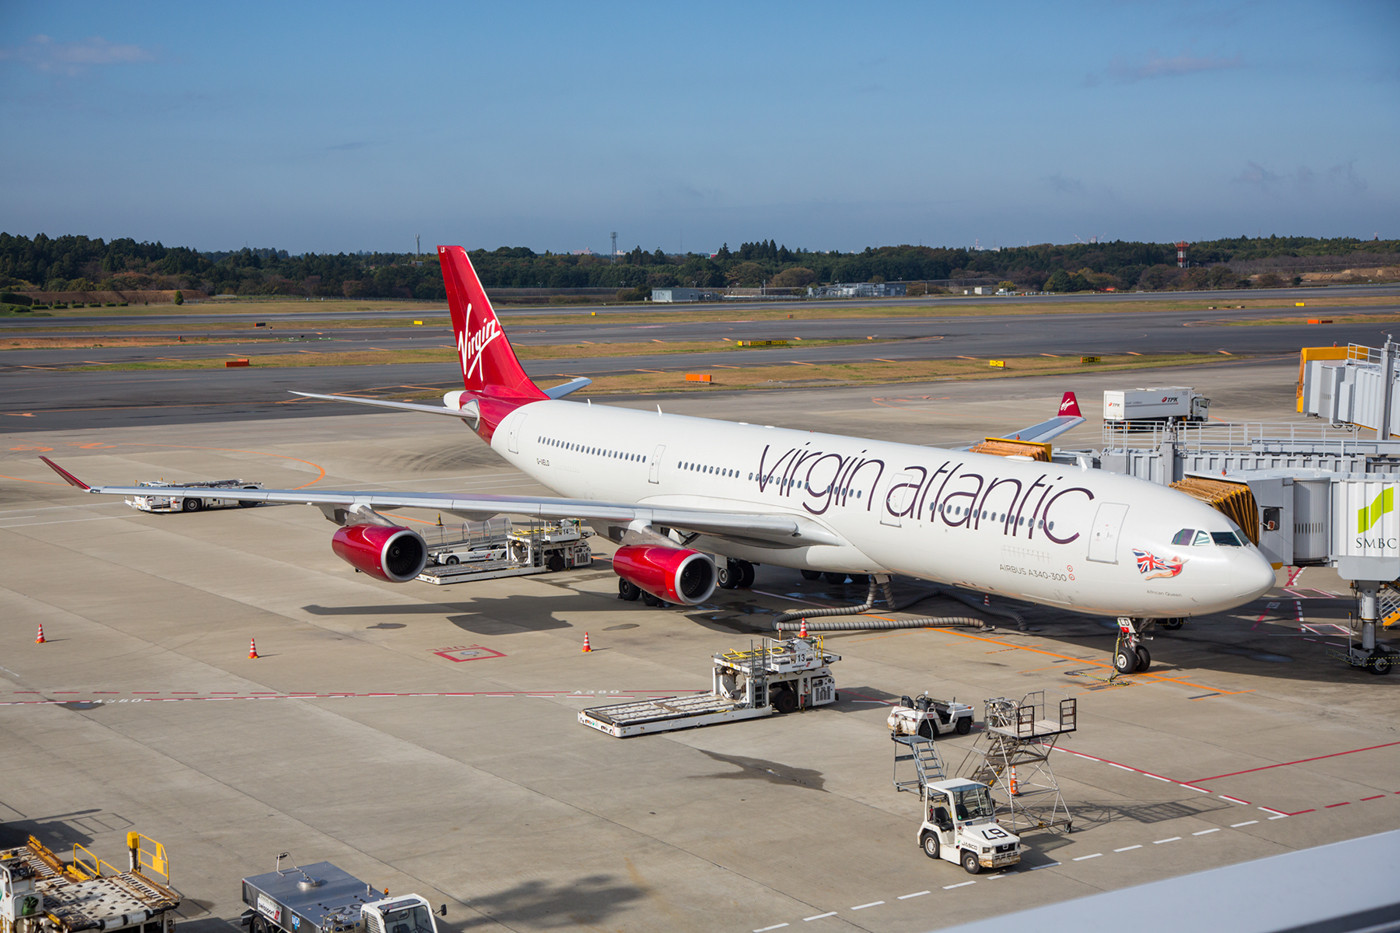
321, 898
40, 893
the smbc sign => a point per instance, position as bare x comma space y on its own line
1365, 522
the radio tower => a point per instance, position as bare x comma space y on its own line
612, 257
1181, 254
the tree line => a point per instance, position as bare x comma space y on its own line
83, 264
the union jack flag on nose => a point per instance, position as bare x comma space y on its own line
1148, 562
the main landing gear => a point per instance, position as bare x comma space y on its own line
734, 574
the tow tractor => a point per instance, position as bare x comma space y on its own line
957, 817
155, 502
41, 893
960, 826
321, 898
929, 717
779, 676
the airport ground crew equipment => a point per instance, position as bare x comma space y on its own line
957, 816
499, 548
778, 676
155, 502
321, 898
1012, 758
929, 717
41, 893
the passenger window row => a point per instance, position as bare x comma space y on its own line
589, 449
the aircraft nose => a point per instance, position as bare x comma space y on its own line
1254, 575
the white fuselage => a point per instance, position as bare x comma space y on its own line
1060, 535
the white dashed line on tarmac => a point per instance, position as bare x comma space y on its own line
1128, 848
949, 887
1157, 842
871, 904
1085, 858
905, 897
1207, 832
829, 913
1245, 823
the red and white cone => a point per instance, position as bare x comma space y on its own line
1015, 791
253, 649
802, 631
586, 646
39, 639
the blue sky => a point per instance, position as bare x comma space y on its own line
329, 127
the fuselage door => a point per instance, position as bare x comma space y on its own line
513, 432
1103, 541
655, 476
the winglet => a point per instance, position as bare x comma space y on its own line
68, 478
1069, 405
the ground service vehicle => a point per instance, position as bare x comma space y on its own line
321, 898
1170, 403
185, 502
780, 676
502, 548
960, 826
929, 717
40, 893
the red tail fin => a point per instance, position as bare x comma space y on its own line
489, 365
1069, 405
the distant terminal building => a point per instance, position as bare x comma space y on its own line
859, 290
681, 294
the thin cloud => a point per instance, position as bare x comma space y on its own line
44, 54
1303, 180
1156, 66
1063, 185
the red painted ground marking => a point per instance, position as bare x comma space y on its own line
1283, 764
1331, 805
1377, 797
467, 653
1293, 577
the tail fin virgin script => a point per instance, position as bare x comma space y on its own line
489, 365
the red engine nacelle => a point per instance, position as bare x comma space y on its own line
677, 575
385, 552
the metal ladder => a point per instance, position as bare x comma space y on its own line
928, 763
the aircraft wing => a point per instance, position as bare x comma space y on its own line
762, 527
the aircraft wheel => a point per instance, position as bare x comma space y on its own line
964, 725
628, 590
1172, 625
811, 574
834, 577
970, 863
747, 574
728, 575
926, 729
1380, 663
930, 844
1144, 659
452, 560
1125, 660
191, 505
650, 600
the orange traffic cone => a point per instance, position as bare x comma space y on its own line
586, 646
1015, 791
802, 632
253, 649
39, 639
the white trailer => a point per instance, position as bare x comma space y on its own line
1168, 403
322, 898
41, 893
779, 676
156, 502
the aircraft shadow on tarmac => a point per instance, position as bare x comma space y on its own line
771, 772
585, 901
61, 831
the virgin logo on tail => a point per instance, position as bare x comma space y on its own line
470, 347
1069, 405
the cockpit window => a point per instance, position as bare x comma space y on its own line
1192, 537
1226, 538
1184, 537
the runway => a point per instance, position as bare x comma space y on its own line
359, 738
